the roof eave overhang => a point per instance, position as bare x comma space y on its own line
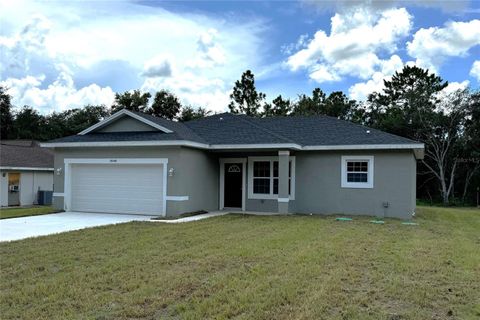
417, 147
25, 168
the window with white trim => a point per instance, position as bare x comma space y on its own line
357, 171
263, 177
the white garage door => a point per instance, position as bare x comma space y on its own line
117, 188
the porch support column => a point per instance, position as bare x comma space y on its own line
283, 197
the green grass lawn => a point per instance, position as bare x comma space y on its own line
250, 267
24, 211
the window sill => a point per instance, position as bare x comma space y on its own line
350, 185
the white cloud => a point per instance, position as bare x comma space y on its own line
158, 46
475, 71
159, 66
193, 89
445, 5
455, 86
209, 52
322, 74
361, 90
301, 43
432, 46
355, 39
452, 87
59, 95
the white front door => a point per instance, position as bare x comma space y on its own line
117, 188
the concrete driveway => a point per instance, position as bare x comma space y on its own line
26, 227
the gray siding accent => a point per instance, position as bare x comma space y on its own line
126, 124
196, 173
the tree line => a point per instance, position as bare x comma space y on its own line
412, 104
28, 123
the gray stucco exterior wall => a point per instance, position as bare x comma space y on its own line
317, 180
318, 185
195, 173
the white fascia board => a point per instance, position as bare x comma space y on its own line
26, 168
256, 146
186, 143
366, 147
180, 143
123, 112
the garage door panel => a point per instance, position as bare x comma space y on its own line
125, 190
118, 188
128, 207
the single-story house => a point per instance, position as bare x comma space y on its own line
25, 169
139, 164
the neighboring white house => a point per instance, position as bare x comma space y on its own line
25, 169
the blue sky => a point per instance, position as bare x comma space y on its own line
57, 55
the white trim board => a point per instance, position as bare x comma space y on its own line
117, 160
176, 143
58, 194
222, 161
177, 198
112, 161
120, 114
200, 145
366, 147
27, 168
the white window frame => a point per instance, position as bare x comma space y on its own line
271, 196
370, 176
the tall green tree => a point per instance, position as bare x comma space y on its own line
406, 101
443, 134
245, 98
30, 124
6, 115
73, 121
413, 105
165, 105
134, 101
336, 104
189, 113
278, 107
469, 153
310, 105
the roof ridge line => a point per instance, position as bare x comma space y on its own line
269, 131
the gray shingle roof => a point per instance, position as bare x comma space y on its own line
324, 130
24, 153
226, 128
229, 129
